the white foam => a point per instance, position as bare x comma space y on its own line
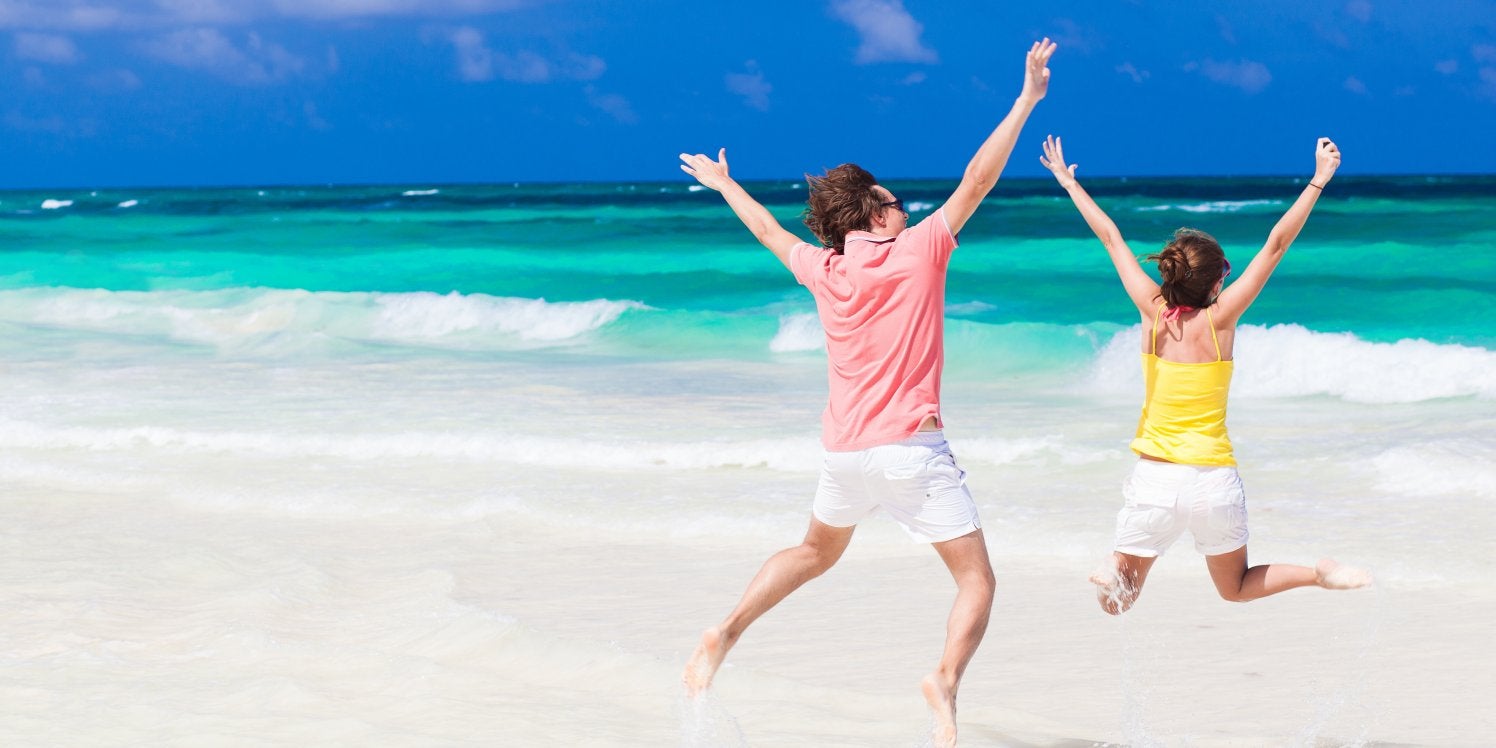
1459, 468
414, 193
789, 454
916, 206
1215, 206
1291, 361
128, 204
236, 318
969, 307
695, 188
798, 332
50, 204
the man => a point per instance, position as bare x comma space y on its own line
879, 287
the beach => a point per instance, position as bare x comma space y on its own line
475, 465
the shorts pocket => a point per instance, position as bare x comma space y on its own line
1147, 511
925, 479
1227, 510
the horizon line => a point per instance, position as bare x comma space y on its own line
5, 189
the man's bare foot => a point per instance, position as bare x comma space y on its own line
705, 661
943, 708
1332, 575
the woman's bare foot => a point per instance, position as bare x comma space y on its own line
1332, 575
705, 661
1111, 591
942, 701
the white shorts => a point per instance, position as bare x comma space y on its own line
916, 481
1165, 498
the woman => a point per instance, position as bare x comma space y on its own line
1185, 476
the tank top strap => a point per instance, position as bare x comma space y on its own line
1153, 338
1213, 338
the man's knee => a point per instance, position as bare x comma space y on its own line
820, 557
978, 579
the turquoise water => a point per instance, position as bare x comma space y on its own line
663, 271
1383, 258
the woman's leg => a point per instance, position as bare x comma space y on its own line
1239, 583
1118, 587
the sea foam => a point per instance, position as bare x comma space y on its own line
1292, 361
238, 318
798, 332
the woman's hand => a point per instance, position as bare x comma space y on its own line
1326, 160
1054, 160
711, 173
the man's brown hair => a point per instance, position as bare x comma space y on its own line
841, 201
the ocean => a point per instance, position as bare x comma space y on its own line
474, 464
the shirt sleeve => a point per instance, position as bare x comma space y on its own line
808, 263
932, 238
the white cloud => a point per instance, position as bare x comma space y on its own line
477, 63
91, 15
887, 31
1487, 87
1247, 75
1359, 10
614, 105
208, 50
1072, 37
58, 50
1447, 67
115, 80
475, 59
51, 125
915, 78
341, 9
1483, 52
1228, 34
314, 119
751, 86
1138, 76
1354, 85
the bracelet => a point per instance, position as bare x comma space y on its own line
1315, 186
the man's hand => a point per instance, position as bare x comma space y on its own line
710, 173
1326, 160
1054, 160
1036, 70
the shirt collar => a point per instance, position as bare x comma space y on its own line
867, 236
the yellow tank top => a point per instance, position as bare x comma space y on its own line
1184, 407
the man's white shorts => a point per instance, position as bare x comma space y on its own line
1163, 499
916, 481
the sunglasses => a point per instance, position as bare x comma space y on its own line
895, 203
1227, 272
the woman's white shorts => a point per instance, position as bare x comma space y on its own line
916, 481
1163, 499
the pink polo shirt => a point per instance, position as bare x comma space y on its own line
882, 303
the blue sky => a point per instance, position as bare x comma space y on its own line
187, 92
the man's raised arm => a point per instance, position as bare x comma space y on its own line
754, 215
981, 174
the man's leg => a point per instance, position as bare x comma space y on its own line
782, 574
966, 557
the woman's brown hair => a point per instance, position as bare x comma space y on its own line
1190, 265
841, 201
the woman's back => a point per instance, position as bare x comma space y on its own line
1185, 391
